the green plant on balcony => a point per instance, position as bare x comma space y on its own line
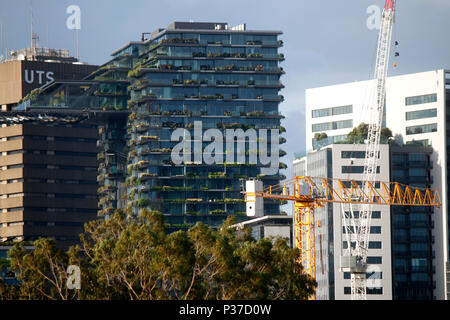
217, 211
194, 200
204, 188
229, 200
193, 213
259, 67
256, 113
254, 55
143, 164
142, 203
283, 165
192, 175
146, 175
216, 175
191, 82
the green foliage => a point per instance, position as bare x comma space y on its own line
134, 258
359, 134
320, 136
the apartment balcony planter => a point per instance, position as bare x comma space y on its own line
254, 43
145, 176
217, 211
254, 55
190, 82
143, 164
194, 200
227, 200
147, 139
142, 203
106, 189
216, 175
141, 127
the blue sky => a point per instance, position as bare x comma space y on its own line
326, 41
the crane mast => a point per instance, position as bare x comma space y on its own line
358, 271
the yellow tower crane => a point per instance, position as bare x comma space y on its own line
309, 193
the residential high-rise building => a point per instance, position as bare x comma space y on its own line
400, 253
210, 75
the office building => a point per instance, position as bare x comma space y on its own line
31, 68
400, 257
48, 181
49, 160
415, 112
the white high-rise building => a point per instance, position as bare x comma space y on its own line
417, 111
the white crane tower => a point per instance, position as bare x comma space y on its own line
358, 229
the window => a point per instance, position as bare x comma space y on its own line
374, 260
374, 290
375, 214
355, 169
342, 110
374, 244
354, 155
417, 172
375, 229
421, 129
318, 127
344, 124
416, 157
421, 114
428, 98
321, 113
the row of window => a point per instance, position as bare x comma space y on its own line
354, 154
237, 52
426, 128
355, 169
213, 79
372, 245
427, 98
421, 114
335, 125
223, 38
326, 112
373, 229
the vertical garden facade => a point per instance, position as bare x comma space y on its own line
221, 78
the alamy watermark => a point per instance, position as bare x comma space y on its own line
73, 22
73, 277
190, 148
373, 22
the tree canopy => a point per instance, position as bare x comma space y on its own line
359, 134
134, 258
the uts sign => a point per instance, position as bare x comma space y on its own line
38, 77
